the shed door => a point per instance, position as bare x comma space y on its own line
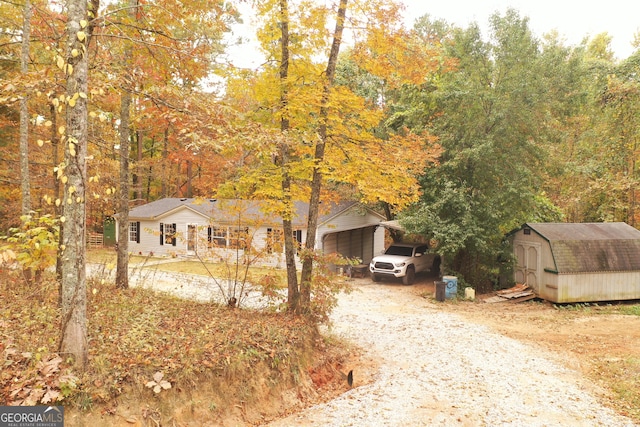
527, 264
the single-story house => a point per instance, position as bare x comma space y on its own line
186, 226
587, 262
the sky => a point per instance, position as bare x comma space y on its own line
573, 19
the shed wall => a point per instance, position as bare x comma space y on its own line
569, 287
591, 287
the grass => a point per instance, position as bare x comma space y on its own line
622, 377
107, 256
135, 333
632, 310
629, 308
218, 270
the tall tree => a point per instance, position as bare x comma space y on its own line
494, 107
124, 130
328, 148
293, 293
80, 15
24, 113
618, 142
317, 176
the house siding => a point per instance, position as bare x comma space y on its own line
150, 233
354, 222
352, 228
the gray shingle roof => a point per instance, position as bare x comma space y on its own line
219, 210
590, 247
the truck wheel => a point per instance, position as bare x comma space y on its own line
375, 277
410, 276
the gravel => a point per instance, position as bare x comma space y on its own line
437, 369
434, 368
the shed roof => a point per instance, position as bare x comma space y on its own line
591, 247
218, 210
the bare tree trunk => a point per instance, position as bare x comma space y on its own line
189, 191
24, 113
139, 168
55, 144
150, 171
74, 287
316, 183
165, 155
122, 263
135, 176
290, 249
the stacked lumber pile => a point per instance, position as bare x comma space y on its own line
518, 293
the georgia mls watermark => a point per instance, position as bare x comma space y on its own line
31, 416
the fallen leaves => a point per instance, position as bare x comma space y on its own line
137, 337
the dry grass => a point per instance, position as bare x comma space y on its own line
189, 266
135, 333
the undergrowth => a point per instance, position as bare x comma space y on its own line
140, 342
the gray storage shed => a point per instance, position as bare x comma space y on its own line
586, 262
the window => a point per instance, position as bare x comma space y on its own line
238, 238
297, 237
275, 240
134, 232
167, 234
422, 250
217, 237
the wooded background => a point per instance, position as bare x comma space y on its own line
463, 136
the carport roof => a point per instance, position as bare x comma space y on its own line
591, 247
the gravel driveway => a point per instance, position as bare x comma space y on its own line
437, 369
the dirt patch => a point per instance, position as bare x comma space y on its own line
594, 339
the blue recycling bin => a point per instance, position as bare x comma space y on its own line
451, 286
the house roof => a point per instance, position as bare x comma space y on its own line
591, 247
218, 210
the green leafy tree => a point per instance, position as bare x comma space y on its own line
492, 108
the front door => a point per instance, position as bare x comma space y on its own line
192, 239
527, 264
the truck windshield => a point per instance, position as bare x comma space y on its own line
399, 250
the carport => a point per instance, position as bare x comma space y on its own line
354, 243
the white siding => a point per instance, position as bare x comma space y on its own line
604, 286
574, 287
354, 232
150, 233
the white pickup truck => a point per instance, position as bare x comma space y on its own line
404, 260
